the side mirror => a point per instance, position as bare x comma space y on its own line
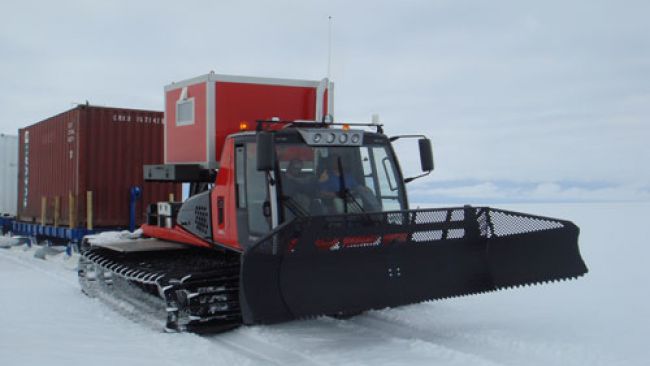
426, 154
265, 151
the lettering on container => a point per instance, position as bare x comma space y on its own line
71, 135
26, 169
118, 117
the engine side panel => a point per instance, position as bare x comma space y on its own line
195, 215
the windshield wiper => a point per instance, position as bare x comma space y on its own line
342, 189
349, 195
295, 207
344, 192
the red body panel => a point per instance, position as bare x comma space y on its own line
237, 102
186, 144
175, 234
226, 232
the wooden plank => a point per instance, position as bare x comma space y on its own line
43, 209
89, 210
57, 210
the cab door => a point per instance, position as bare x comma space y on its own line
252, 191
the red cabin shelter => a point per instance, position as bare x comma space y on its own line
201, 112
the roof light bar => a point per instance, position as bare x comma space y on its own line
318, 137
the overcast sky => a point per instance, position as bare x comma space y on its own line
546, 100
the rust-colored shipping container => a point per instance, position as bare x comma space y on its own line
90, 149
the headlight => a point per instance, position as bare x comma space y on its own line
317, 138
330, 138
343, 138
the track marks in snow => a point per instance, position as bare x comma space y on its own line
394, 329
419, 341
327, 341
250, 342
498, 347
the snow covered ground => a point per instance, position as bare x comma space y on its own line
600, 319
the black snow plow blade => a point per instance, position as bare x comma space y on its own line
328, 265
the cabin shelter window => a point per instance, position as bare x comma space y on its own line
185, 112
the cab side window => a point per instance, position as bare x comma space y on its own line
254, 193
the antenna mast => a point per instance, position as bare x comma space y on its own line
329, 46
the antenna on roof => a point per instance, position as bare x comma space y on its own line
329, 46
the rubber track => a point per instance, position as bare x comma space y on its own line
196, 290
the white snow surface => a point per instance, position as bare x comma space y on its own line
600, 319
113, 236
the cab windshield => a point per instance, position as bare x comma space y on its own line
337, 180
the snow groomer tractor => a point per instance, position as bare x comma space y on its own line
292, 215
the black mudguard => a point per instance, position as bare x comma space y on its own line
346, 264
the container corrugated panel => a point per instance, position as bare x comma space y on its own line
90, 149
8, 174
